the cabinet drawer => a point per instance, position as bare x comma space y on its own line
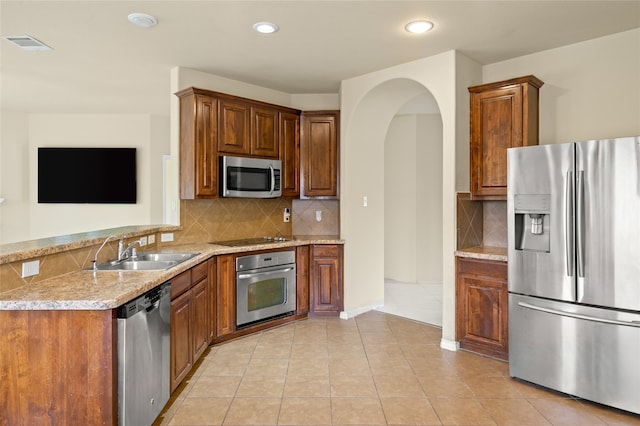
180, 284
482, 268
325, 251
199, 272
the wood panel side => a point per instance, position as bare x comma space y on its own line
58, 367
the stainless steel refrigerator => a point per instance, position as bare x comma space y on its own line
574, 268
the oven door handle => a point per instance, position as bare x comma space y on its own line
253, 274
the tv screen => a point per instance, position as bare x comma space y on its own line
87, 175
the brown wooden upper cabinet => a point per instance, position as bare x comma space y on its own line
198, 140
319, 154
234, 127
264, 132
289, 125
503, 115
214, 124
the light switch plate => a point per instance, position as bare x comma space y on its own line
30, 269
165, 238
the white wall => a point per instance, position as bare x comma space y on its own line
97, 130
400, 199
413, 199
14, 177
24, 219
591, 89
369, 103
429, 198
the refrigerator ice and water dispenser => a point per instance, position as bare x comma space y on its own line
532, 222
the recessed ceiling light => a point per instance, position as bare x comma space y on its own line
265, 27
418, 27
142, 20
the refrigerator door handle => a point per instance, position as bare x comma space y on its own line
569, 244
578, 316
580, 224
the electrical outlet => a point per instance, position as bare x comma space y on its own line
30, 268
165, 238
286, 216
151, 238
318, 215
143, 241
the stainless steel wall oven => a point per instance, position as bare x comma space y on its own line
265, 286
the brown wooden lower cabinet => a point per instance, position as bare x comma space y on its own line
325, 279
225, 295
481, 306
58, 368
190, 323
302, 280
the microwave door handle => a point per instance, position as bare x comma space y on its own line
273, 178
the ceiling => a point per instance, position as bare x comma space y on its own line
103, 63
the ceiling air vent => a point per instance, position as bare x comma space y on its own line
27, 42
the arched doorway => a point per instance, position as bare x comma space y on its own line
368, 105
413, 211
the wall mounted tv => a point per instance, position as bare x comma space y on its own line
87, 175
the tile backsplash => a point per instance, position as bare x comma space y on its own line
494, 223
469, 218
480, 222
304, 217
232, 218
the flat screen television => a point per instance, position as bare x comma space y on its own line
87, 175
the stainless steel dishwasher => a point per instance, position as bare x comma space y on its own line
143, 357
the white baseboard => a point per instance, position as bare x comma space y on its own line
351, 313
450, 345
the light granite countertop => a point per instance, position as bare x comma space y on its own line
99, 290
484, 252
14, 252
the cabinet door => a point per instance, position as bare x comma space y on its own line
234, 119
326, 279
206, 135
319, 155
211, 264
199, 318
496, 126
482, 311
264, 132
290, 154
181, 347
198, 139
302, 280
226, 295
503, 115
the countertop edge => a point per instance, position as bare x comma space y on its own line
121, 287
484, 252
14, 252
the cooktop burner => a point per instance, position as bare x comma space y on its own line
251, 241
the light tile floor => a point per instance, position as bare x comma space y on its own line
418, 301
375, 369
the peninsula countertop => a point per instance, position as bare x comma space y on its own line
100, 290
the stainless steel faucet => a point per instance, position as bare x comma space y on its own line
124, 253
95, 258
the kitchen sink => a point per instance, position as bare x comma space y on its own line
146, 262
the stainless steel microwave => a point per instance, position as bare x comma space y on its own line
246, 177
